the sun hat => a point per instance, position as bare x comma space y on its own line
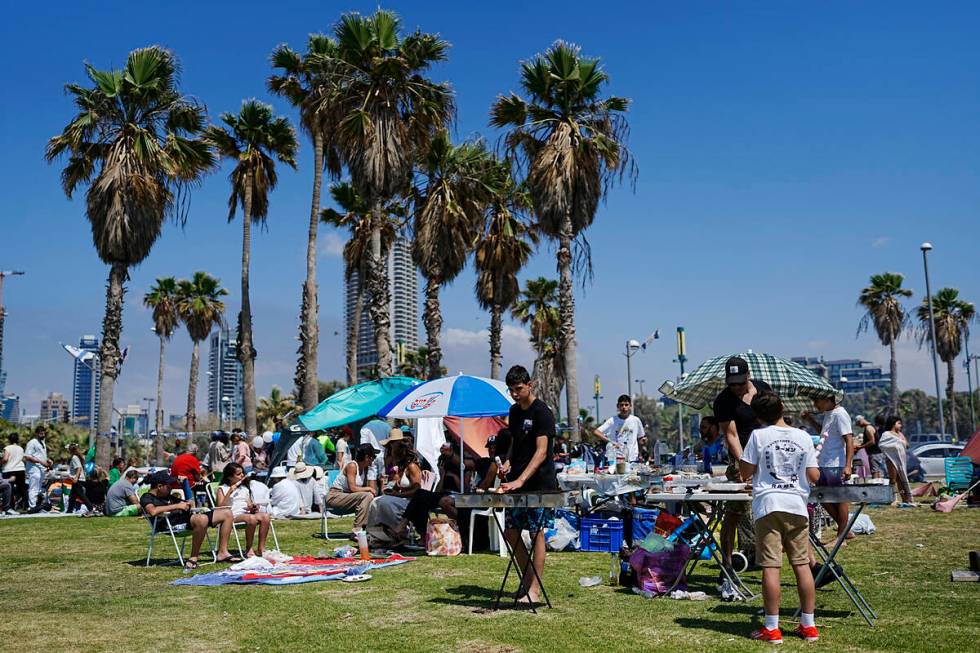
267, 437
278, 472
301, 471
394, 436
258, 442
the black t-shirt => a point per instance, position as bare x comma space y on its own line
729, 407
525, 428
176, 517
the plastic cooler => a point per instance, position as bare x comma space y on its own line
604, 535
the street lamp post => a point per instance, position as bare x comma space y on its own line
632, 346
640, 382
925, 247
598, 395
969, 382
681, 358
3, 314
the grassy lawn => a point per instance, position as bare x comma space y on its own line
79, 585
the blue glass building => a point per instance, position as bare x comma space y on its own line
83, 412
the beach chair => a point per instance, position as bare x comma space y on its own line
212, 494
162, 525
959, 472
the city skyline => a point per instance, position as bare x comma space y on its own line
775, 178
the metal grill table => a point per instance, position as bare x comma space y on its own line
862, 495
525, 500
706, 531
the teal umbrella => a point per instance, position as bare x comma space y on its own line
355, 403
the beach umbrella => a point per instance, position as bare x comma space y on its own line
452, 396
796, 385
355, 403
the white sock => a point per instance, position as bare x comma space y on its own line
772, 621
807, 619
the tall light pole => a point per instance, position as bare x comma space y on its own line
632, 346
3, 313
969, 381
681, 358
640, 382
925, 247
598, 395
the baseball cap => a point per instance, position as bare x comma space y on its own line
736, 370
161, 477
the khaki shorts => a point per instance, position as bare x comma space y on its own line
778, 532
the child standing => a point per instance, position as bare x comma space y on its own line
782, 463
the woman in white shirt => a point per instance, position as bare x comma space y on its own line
895, 447
356, 486
234, 493
406, 478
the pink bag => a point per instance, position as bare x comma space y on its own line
656, 572
442, 538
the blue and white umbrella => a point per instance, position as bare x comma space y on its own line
452, 396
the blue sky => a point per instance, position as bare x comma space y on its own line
786, 152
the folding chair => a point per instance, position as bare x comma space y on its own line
211, 491
161, 525
959, 473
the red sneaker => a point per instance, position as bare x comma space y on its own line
774, 636
809, 633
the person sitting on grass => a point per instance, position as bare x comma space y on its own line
76, 470
121, 499
782, 463
235, 493
116, 470
158, 501
356, 485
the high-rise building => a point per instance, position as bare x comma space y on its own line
134, 420
54, 408
403, 308
86, 376
847, 374
10, 408
226, 377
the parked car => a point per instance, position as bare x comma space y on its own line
932, 457
918, 439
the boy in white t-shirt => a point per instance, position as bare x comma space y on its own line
621, 432
782, 463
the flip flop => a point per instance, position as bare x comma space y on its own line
231, 559
190, 565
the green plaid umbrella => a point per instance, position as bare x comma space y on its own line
796, 385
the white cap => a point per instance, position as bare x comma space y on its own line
278, 472
258, 442
267, 437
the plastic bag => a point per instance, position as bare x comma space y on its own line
562, 537
442, 538
863, 526
654, 543
656, 572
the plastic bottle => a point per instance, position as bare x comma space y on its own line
614, 569
362, 544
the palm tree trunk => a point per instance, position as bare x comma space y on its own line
496, 327
566, 328
379, 307
951, 398
432, 318
354, 330
190, 419
158, 422
309, 329
246, 351
893, 372
109, 360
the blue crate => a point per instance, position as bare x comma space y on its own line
605, 535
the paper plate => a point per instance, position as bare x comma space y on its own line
359, 578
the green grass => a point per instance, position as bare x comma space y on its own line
79, 585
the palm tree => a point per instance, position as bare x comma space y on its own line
274, 408
306, 86
356, 218
504, 247
883, 308
253, 139
387, 111
449, 204
537, 306
134, 141
952, 323
162, 299
200, 308
416, 364
572, 144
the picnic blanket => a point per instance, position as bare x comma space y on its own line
299, 569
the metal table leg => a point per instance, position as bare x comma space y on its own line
828, 558
512, 561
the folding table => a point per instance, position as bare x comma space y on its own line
482, 501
